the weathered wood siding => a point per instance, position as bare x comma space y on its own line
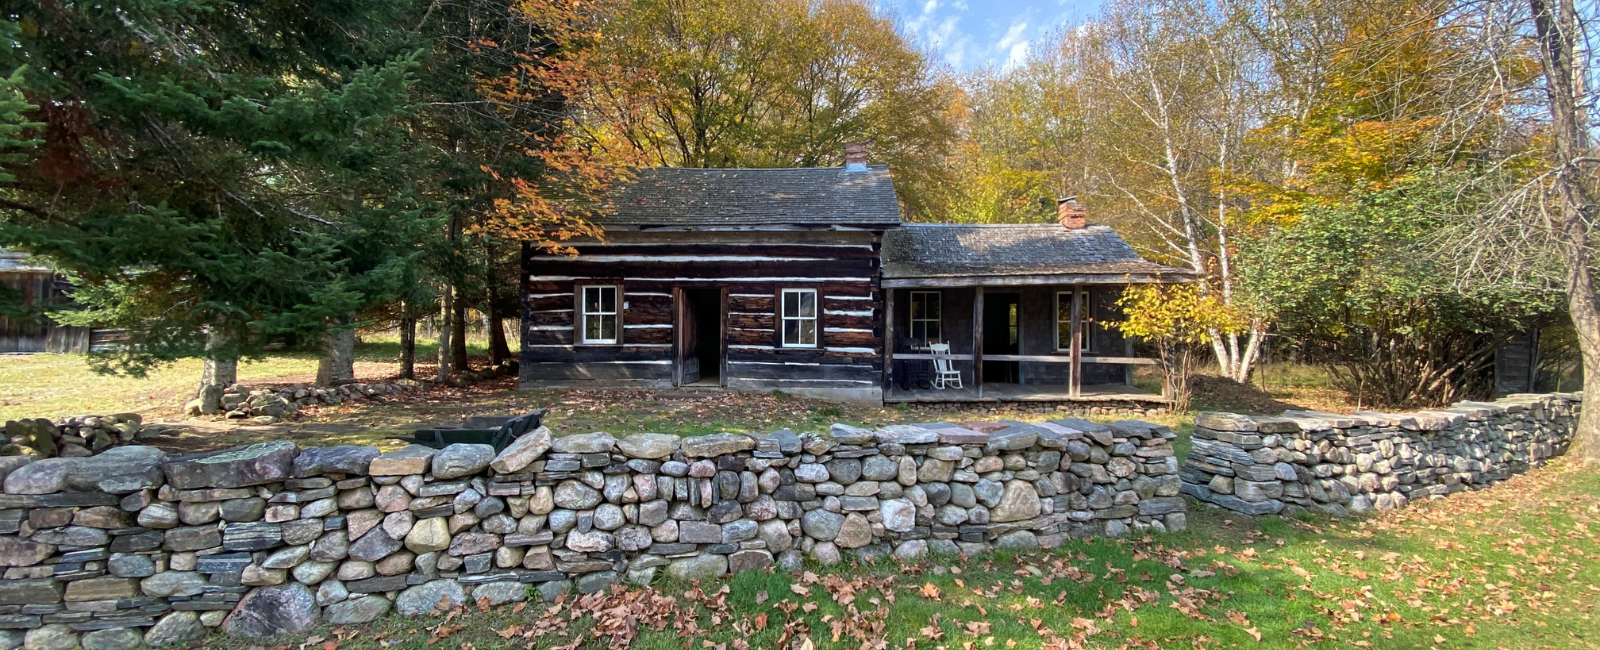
1038, 316
751, 267
39, 334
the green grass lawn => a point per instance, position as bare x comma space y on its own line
59, 385
1510, 567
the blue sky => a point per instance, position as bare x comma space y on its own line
971, 34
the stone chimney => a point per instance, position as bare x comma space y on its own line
855, 157
1071, 213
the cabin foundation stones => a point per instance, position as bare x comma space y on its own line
134, 547
1352, 464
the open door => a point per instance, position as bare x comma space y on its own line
699, 358
1001, 335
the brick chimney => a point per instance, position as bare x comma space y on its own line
855, 157
1071, 213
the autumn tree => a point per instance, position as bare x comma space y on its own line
1179, 320
769, 83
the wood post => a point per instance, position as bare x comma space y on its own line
1075, 376
722, 333
888, 340
977, 340
679, 344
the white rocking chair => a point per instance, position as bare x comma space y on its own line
945, 374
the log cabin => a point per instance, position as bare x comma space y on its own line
806, 280
38, 289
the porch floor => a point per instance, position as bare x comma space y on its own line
998, 392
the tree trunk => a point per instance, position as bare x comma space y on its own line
1556, 22
408, 342
221, 371
444, 334
499, 349
458, 342
338, 363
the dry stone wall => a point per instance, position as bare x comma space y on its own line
1352, 464
133, 547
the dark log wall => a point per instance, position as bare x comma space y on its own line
751, 267
39, 334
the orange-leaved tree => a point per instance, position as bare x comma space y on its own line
556, 75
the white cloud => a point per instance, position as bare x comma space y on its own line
1014, 45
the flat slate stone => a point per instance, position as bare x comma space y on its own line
717, 444
584, 443
119, 470
40, 477
261, 463
413, 459
253, 536
522, 451
905, 434
343, 459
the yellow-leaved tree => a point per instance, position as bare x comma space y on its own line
1179, 320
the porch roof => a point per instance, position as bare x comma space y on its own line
1010, 254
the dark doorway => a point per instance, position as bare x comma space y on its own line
1001, 335
702, 337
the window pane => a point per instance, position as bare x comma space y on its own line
808, 332
591, 299
791, 332
591, 328
933, 332
919, 305
808, 304
608, 328
919, 330
791, 303
933, 305
608, 299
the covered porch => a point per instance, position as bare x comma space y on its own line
1040, 343
1025, 310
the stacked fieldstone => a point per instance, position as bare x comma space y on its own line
76, 436
132, 547
270, 405
1351, 464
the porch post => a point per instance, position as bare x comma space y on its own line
888, 340
678, 344
1075, 376
977, 340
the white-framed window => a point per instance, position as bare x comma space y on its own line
1064, 320
598, 318
799, 318
927, 309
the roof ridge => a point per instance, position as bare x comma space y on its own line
879, 166
1000, 225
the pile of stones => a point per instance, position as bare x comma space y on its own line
76, 436
1353, 464
134, 547
268, 405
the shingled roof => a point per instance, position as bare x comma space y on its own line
949, 250
806, 196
